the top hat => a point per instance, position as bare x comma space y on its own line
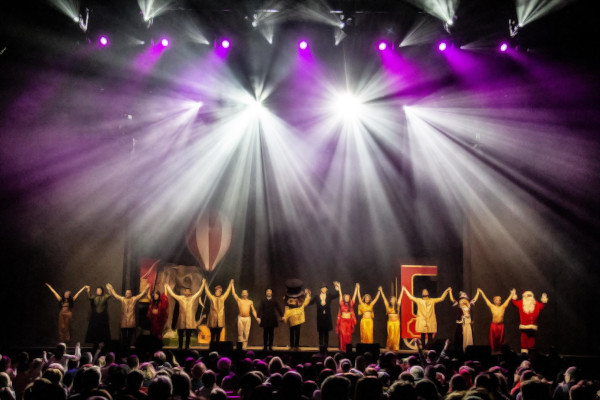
294, 287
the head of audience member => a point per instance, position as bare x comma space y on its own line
217, 394
458, 383
224, 365
5, 380
291, 385
367, 387
134, 380
160, 388
54, 375
426, 390
335, 387
345, 365
275, 365
534, 389
133, 362
583, 390
308, 388
402, 391
198, 370
406, 377
209, 379
330, 363
91, 378
182, 385
86, 358
571, 375
417, 372
248, 382
160, 358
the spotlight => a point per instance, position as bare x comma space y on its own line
503, 47
382, 46
225, 44
164, 42
103, 41
303, 45
442, 46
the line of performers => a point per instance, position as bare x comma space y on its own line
269, 313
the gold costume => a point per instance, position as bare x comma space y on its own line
366, 322
393, 329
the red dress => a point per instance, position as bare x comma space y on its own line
345, 326
158, 312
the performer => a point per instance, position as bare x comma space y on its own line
426, 323
65, 315
346, 319
158, 313
529, 311
294, 314
365, 308
186, 322
323, 301
216, 315
463, 336
245, 306
128, 303
98, 329
267, 318
497, 325
392, 309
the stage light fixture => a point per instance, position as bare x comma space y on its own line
503, 47
164, 42
382, 46
225, 43
303, 45
103, 41
442, 46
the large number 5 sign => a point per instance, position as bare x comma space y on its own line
407, 278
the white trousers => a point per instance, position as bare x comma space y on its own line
244, 328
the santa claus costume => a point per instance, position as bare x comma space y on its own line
529, 311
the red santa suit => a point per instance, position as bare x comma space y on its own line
528, 318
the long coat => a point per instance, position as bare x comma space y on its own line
267, 312
324, 311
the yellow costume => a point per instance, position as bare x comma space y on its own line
366, 322
393, 329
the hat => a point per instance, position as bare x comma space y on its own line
323, 285
463, 295
294, 287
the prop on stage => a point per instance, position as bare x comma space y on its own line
408, 273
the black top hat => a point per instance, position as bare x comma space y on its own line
294, 287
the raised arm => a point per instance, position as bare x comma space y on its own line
376, 297
452, 299
505, 304
475, 298
360, 301
487, 301
410, 296
355, 293
142, 293
111, 290
307, 297
235, 296
385, 301
197, 294
440, 299
54, 292
226, 294
78, 293
171, 293
208, 293
338, 289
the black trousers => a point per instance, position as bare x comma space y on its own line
323, 339
127, 336
295, 336
188, 335
429, 341
268, 334
215, 334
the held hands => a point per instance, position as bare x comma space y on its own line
514, 294
544, 298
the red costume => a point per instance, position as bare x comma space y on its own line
346, 321
528, 314
158, 312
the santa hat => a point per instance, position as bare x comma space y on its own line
527, 292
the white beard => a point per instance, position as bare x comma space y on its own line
528, 305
